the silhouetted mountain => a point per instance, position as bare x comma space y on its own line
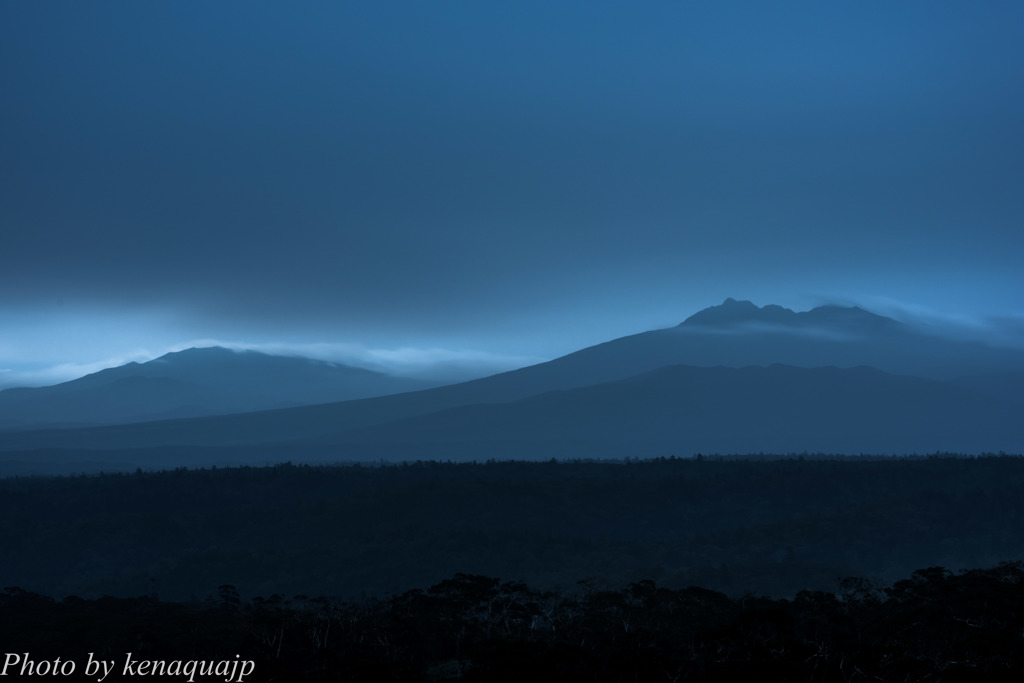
684, 410
739, 334
195, 382
734, 335
1007, 386
678, 410
745, 316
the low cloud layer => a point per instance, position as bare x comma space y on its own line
33, 375
435, 364
426, 363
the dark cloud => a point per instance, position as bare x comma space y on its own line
443, 169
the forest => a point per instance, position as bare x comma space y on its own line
760, 524
800, 567
934, 625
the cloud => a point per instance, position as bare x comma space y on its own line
1004, 330
63, 372
433, 363
757, 327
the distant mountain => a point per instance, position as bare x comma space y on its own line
677, 410
745, 316
982, 385
684, 410
739, 333
191, 383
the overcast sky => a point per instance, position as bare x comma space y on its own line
503, 182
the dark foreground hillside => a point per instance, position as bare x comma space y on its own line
933, 626
760, 525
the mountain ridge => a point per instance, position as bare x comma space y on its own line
676, 410
689, 409
733, 313
196, 381
889, 348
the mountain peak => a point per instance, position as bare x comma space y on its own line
732, 314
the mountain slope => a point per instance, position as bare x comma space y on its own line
735, 334
682, 409
676, 410
738, 333
195, 382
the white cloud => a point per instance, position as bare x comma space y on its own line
429, 363
1005, 331
64, 372
434, 363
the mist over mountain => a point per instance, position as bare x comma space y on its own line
738, 333
191, 383
730, 378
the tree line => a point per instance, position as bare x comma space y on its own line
934, 625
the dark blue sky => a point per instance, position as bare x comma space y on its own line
495, 180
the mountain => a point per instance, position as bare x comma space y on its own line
744, 315
676, 410
194, 382
685, 409
982, 385
739, 333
